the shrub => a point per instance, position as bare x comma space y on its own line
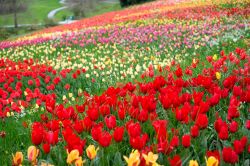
125, 3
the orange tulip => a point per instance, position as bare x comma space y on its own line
17, 159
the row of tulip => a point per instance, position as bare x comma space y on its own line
155, 84
200, 10
177, 115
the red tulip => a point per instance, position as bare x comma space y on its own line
51, 137
238, 146
37, 133
138, 142
105, 139
118, 134
78, 126
121, 113
96, 132
87, 123
134, 129
160, 127
93, 114
164, 147
233, 127
186, 140
110, 121
229, 155
53, 125
104, 110
80, 108
175, 161
46, 148
244, 140
143, 115
237, 91
67, 86
178, 72
248, 124
130, 87
194, 131
218, 124
202, 121
223, 134
175, 141
30, 82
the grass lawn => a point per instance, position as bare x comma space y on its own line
101, 8
36, 13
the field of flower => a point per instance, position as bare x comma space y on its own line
162, 83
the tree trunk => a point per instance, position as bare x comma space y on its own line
15, 14
15, 20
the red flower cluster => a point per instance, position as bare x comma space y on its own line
159, 115
187, 108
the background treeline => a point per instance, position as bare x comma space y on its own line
125, 3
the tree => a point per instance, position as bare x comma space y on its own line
12, 7
79, 7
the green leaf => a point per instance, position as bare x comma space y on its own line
118, 159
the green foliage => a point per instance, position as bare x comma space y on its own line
125, 3
49, 22
4, 34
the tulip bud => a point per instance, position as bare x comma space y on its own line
33, 152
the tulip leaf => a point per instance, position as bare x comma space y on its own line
118, 159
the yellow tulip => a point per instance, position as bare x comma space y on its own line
17, 159
33, 152
212, 161
151, 159
70, 95
134, 158
215, 57
72, 156
218, 75
79, 162
91, 152
46, 164
193, 163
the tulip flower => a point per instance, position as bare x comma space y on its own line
215, 57
134, 158
110, 121
193, 163
105, 139
79, 162
33, 153
175, 161
186, 140
118, 134
151, 159
218, 75
212, 161
46, 164
46, 148
17, 159
72, 156
91, 152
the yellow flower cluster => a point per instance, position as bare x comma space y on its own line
211, 161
